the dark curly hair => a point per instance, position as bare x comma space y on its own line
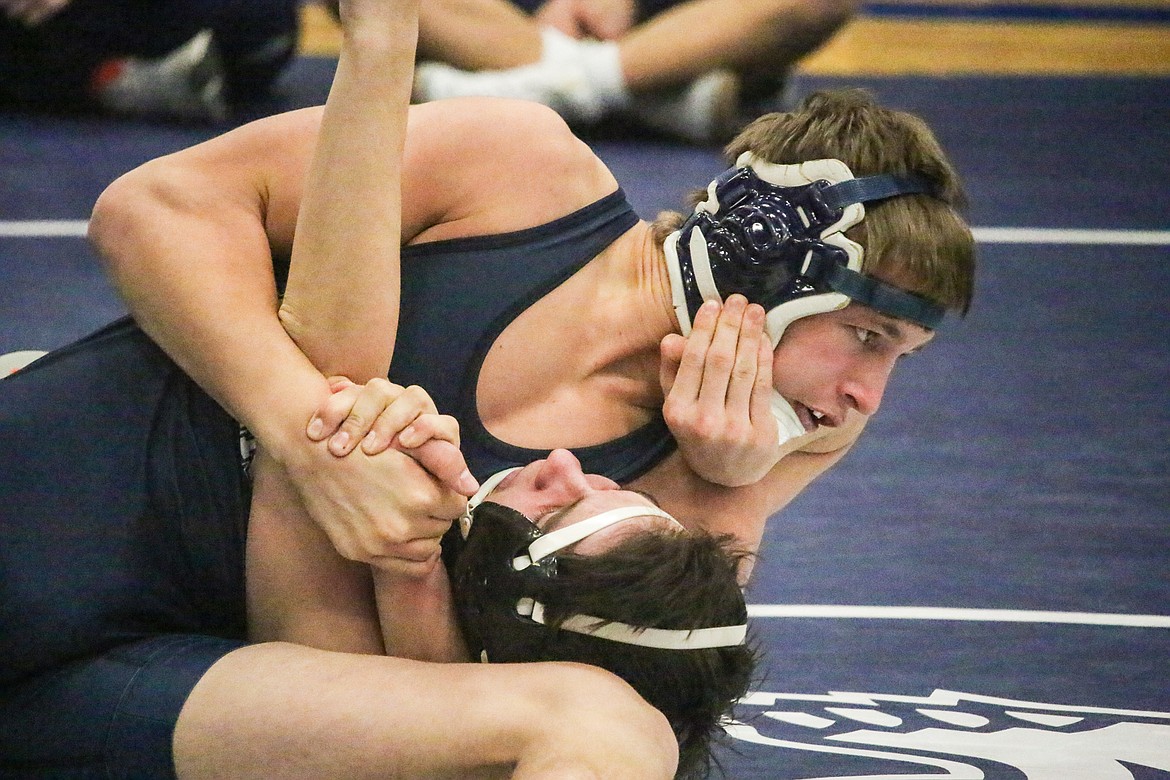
660, 579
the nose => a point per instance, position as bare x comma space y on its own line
561, 474
863, 390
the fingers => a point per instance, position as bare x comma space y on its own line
372, 414
721, 352
344, 395
719, 363
408, 528
671, 351
688, 380
423, 428
746, 368
389, 421
416, 564
761, 397
445, 462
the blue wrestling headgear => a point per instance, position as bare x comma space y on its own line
776, 234
504, 554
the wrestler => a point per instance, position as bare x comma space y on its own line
123, 620
541, 312
125, 517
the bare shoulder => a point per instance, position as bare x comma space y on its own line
257, 146
255, 170
491, 165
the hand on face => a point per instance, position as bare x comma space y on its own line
717, 384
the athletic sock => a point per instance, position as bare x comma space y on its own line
599, 61
704, 111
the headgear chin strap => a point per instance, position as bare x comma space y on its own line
507, 551
776, 234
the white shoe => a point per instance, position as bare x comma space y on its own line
560, 86
702, 112
187, 84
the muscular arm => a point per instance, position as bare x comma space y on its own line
186, 240
341, 302
300, 590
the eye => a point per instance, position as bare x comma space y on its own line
866, 336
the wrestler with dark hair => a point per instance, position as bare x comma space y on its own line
157, 578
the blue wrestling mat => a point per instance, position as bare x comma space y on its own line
982, 588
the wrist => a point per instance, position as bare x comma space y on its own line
279, 422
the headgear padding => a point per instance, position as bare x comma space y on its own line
776, 234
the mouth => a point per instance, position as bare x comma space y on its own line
812, 419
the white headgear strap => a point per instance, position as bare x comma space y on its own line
615, 631
485, 488
657, 638
557, 540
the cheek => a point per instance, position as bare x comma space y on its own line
792, 369
598, 482
800, 372
526, 500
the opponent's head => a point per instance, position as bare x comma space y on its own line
561, 566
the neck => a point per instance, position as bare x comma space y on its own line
633, 310
654, 276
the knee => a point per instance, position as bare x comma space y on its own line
608, 729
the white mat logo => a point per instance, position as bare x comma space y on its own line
965, 736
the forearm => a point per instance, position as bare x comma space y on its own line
299, 589
341, 302
418, 617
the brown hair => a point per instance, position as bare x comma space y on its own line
917, 242
660, 579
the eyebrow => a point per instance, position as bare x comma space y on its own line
891, 329
556, 513
646, 496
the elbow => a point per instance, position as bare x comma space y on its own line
141, 210
108, 212
119, 217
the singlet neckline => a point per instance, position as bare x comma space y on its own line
614, 200
615, 205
